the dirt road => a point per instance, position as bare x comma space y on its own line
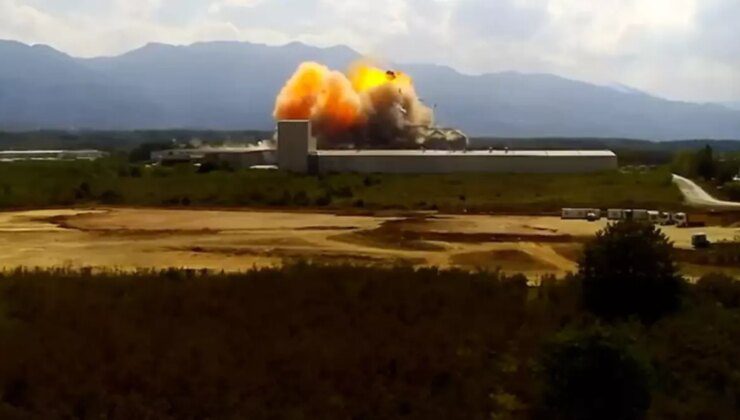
697, 197
126, 238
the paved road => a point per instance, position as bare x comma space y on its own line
696, 196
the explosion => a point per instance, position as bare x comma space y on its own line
367, 107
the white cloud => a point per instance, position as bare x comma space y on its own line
218, 6
684, 49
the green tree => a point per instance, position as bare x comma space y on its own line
593, 375
683, 163
727, 169
142, 152
628, 270
721, 289
706, 166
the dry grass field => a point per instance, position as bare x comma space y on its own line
132, 238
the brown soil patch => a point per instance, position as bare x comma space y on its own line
131, 238
508, 259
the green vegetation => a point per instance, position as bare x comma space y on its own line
348, 342
732, 190
594, 375
628, 271
715, 171
720, 254
116, 181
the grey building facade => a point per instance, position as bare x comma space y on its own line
297, 153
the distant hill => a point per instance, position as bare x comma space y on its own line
232, 86
732, 105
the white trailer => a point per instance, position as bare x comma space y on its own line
581, 214
654, 217
615, 214
575, 214
640, 215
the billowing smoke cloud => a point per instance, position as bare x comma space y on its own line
368, 107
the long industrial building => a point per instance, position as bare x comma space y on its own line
297, 152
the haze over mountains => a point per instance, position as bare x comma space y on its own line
230, 85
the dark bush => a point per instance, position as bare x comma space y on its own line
592, 375
369, 181
733, 191
284, 200
324, 200
298, 342
301, 199
83, 191
207, 167
343, 192
628, 270
110, 197
720, 288
143, 152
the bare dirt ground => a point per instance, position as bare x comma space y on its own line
129, 239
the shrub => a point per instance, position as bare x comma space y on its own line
110, 197
324, 200
732, 190
721, 288
207, 167
592, 375
301, 199
628, 270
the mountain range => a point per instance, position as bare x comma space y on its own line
232, 85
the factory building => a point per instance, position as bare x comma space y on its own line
297, 152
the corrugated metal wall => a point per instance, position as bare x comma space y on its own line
465, 163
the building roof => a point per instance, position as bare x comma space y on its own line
46, 152
213, 150
512, 153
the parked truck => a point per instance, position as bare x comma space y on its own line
581, 214
654, 217
665, 218
681, 219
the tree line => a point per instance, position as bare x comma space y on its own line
623, 338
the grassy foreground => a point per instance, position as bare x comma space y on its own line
328, 342
110, 181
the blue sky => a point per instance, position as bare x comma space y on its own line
679, 49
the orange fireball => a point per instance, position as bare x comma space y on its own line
366, 102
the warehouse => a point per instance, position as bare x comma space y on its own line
234, 157
297, 152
